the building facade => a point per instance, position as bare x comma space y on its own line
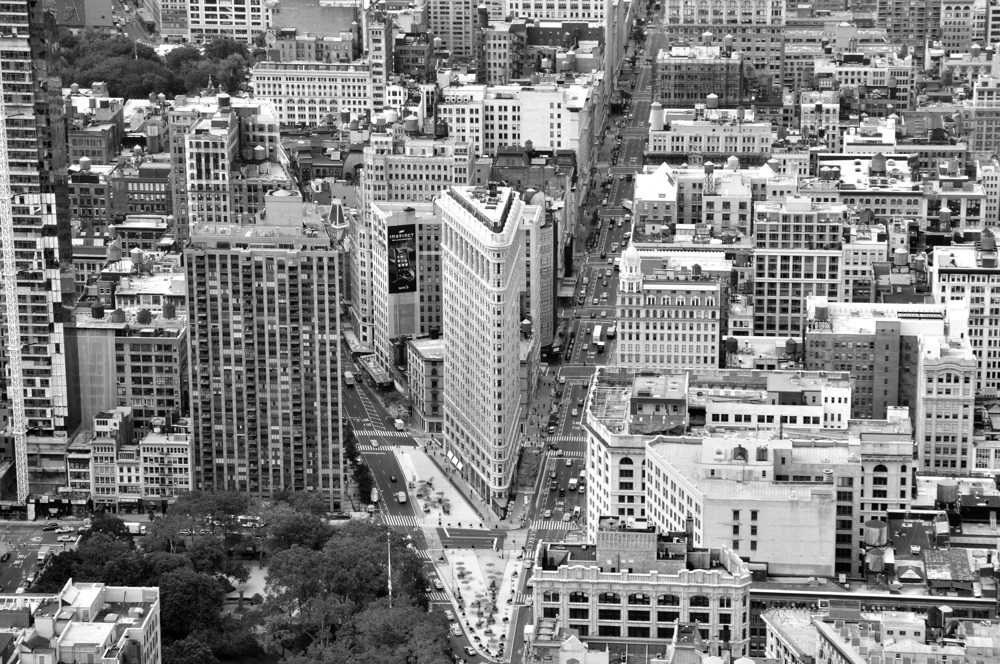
798, 253
268, 413
483, 275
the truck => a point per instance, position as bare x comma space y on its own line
401, 497
44, 552
398, 424
349, 379
572, 484
136, 528
598, 341
612, 330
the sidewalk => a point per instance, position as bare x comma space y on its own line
433, 493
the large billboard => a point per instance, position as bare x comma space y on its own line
402, 258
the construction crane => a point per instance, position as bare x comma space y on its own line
15, 377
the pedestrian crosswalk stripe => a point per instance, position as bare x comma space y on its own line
571, 454
438, 597
521, 598
542, 524
566, 439
369, 448
399, 520
375, 433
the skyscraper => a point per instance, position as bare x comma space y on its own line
483, 274
36, 138
264, 334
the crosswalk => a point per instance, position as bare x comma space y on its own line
543, 524
369, 448
572, 454
399, 520
438, 597
566, 439
521, 598
375, 433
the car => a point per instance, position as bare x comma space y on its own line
438, 585
562, 491
548, 514
374, 443
50, 527
456, 629
596, 302
575, 412
604, 295
449, 615
5, 557
553, 486
186, 531
628, 178
619, 223
529, 563
569, 462
551, 429
605, 283
31, 577
65, 529
576, 314
604, 254
604, 201
604, 314
607, 273
392, 478
567, 516
470, 651
552, 475
66, 538
611, 260
593, 314
614, 247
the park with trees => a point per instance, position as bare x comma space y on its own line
327, 594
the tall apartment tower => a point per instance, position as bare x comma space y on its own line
264, 335
379, 43
483, 273
36, 138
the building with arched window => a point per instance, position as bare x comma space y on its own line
636, 586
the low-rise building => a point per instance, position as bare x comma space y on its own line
633, 585
425, 372
687, 75
128, 471
85, 622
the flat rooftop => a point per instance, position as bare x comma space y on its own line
429, 349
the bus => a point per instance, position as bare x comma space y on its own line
43, 555
349, 379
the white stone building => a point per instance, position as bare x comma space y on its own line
483, 275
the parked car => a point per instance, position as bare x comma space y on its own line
5, 557
449, 615
569, 462
66, 538
548, 514
469, 651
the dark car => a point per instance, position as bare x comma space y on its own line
5, 557
49, 527
392, 478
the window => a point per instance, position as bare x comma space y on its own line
609, 614
609, 598
699, 601
668, 600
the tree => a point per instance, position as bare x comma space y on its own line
208, 556
383, 635
107, 524
287, 527
188, 651
165, 533
189, 601
223, 47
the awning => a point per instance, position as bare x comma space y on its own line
451, 457
460, 465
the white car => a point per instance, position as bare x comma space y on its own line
449, 615
66, 538
374, 443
